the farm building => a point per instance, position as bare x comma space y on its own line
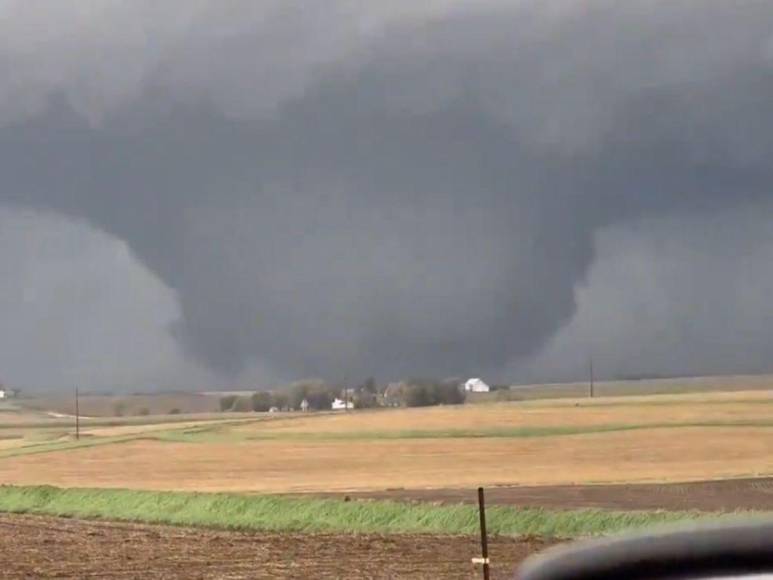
340, 405
393, 394
476, 386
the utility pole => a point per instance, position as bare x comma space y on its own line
77, 417
592, 380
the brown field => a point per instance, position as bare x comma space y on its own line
721, 407
725, 495
107, 405
36, 547
677, 438
659, 455
20, 417
27, 430
620, 388
648, 446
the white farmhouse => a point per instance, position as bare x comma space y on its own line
340, 405
6, 393
476, 386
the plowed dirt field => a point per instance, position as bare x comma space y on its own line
43, 547
709, 496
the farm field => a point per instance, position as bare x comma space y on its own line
276, 536
722, 495
52, 547
640, 387
124, 405
659, 439
247, 536
550, 416
279, 466
413, 469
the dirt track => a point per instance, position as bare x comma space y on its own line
721, 495
43, 547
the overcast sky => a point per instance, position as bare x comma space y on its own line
200, 193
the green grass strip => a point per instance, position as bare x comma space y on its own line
292, 514
86, 423
496, 432
224, 433
49, 447
201, 433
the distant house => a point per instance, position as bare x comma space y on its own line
304, 405
340, 405
273, 410
476, 386
393, 394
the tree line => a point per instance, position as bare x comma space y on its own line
319, 396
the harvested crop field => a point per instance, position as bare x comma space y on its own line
502, 418
37, 546
555, 454
278, 466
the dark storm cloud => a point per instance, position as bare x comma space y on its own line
670, 296
368, 190
77, 309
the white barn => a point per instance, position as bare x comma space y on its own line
476, 386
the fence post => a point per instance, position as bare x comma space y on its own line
483, 536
